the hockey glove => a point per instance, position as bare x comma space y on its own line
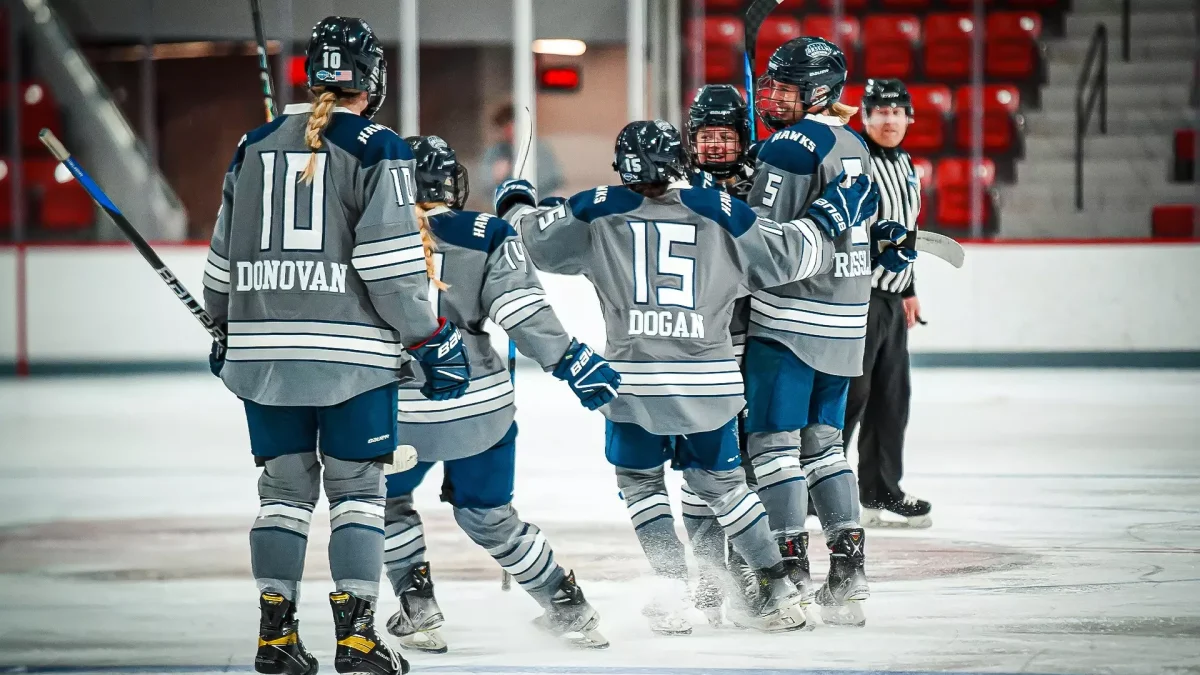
589, 375
444, 360
513, 192
216, 356
841, 208
552, 201
887, 246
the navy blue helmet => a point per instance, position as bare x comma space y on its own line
814, 67
439, 177
886, 93
719, 105
650, 152
344, 54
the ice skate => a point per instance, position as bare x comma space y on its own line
708, 597
845, 588
775, 606
360, 650
794, 550
419, 617
570, 617
666, 611
908, 512
280, 650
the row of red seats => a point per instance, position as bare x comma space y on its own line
946, 192
38, 110
53, 199
855, 5
1173, 221
889, 45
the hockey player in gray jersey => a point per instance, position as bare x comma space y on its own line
806, 338
316, 266
667, 261
480, 271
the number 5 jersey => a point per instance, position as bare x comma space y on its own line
666, 271
322, 283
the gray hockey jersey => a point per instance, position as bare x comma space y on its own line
481, 260
322, 285
666, 271
823, 320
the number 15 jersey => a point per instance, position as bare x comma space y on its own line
322, 283
666, 271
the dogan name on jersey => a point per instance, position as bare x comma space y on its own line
666, 324
285, 275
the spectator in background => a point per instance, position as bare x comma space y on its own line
499, 161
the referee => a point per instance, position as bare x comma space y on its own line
879, 398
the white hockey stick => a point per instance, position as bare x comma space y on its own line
941, 246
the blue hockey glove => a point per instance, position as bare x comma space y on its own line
887, 249
444, 360
552, 201
840, 208
216, 356
512, 192
589, 375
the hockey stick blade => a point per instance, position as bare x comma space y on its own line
60, 153
264, 70
941, 246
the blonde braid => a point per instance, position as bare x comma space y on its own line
322, 112
842, 111
428, 245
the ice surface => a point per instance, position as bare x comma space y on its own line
1066, 536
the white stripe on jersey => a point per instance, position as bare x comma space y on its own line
665, 378
389, 258
814, 243
513, 307
327, 341
809, 317
216, 273
900, 200
484, 395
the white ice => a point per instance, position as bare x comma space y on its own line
1066, 536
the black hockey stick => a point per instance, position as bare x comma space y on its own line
756, 14
160, 268
264, 70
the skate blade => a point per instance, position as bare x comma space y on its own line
849, 614
429, 641
875, 518
783, 620
671, 628
588, 639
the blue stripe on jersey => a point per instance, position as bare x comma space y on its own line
253, 137
798, 149
370, 143
459, 228
607, 200
732, 214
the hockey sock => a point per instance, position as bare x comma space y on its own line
356, 507
518, 547
739, 512
645, 494
830, 479
404, 541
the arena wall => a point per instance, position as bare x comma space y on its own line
1036, 304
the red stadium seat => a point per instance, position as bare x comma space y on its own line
1012, 44
6, 215
847, 5
965, 3
1173, 221
775, 31
1000, 105
722, 48
792, 6
1044, 4
38, 111
948, 45
931, 113
65, 205
1185, 155
852, 95
953, 180
847, 36
924, 169
909, 5
714, 6
889, 41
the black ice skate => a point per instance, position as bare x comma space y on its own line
280, 651
419, 617
360, 650
845, 588
570, 617
907, 512
775, 605
794, 550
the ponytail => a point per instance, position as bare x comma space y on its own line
842, 111
319, 119
428, 245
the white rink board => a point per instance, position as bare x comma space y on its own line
8, 305
103, 304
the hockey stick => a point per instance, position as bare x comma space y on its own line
60, 153
264, 70
505, 577
940, 246
756, 14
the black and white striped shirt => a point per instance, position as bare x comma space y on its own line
900, 200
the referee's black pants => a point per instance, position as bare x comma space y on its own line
879, 400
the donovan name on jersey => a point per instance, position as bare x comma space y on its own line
318, 276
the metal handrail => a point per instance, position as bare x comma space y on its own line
1097, 60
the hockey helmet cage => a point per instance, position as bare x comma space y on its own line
344, 54
718, 105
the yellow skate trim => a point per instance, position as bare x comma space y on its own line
358, 642
339, 597
284, 641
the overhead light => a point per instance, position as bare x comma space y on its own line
559, 47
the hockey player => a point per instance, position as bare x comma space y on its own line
719, 140
667, 260
316, 267
806, 338
481, 272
